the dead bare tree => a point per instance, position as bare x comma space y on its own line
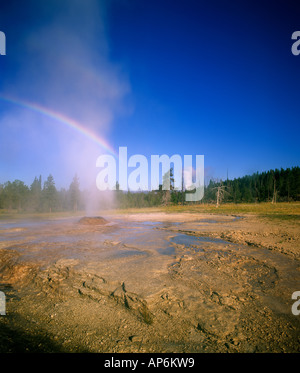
220, 193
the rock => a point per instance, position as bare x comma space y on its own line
135, 338
96, 220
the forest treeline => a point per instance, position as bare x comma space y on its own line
271, 186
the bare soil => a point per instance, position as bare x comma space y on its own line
151, 283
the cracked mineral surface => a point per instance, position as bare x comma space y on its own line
150, 283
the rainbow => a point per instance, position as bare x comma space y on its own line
63, 120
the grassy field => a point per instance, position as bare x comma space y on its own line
281, 210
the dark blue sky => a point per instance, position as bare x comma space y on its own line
167, 77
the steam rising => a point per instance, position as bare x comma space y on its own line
66, 68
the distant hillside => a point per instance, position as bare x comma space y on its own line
274, 185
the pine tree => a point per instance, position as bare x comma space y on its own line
35, 194
50, 194
74, 193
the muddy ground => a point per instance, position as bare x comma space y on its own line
150, 283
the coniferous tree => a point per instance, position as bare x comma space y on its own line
49, 194
74, 193
35, 194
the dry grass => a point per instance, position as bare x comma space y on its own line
280, 210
